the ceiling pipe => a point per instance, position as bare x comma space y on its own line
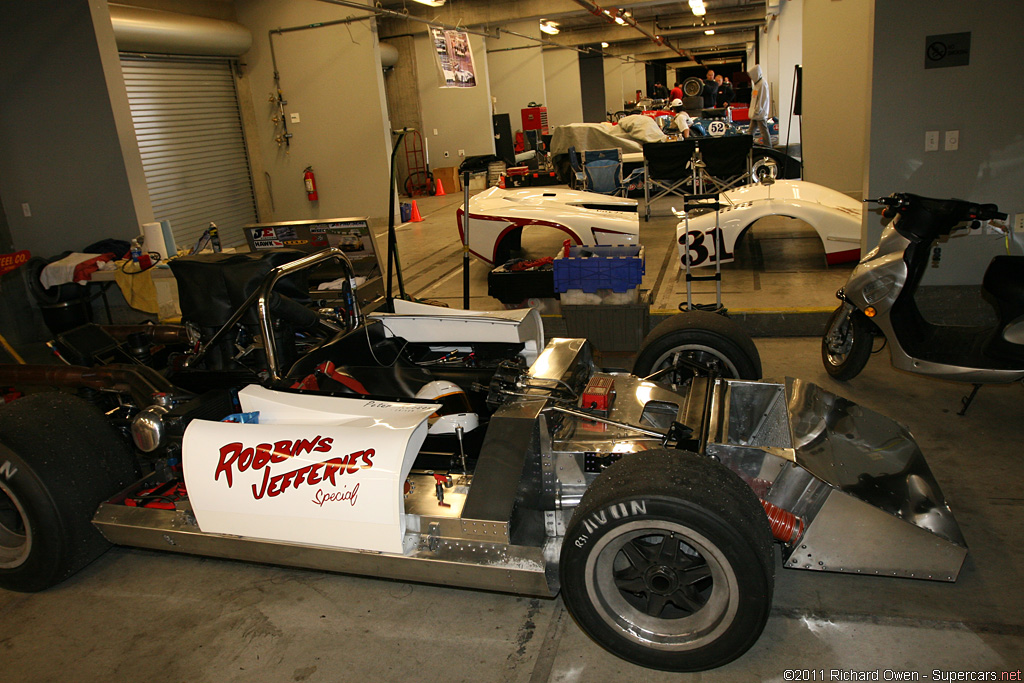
612, 14
139, 29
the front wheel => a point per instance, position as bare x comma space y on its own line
59, 459
846, 344
667, 562
698, 338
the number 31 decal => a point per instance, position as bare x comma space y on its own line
702, 247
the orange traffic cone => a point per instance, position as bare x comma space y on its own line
501, 181
440, 189
416, 217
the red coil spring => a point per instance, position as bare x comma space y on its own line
786, 526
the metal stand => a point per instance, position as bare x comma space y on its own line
465, 240
703, 201
392, 237
967, 400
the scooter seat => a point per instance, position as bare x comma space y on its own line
1004, 281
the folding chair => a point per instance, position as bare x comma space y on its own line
577, 169
666, 167
603, 169
727, 160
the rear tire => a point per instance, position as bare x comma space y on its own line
59, 459
705, 338
846, 344
668, 562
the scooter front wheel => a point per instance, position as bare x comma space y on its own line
846, 344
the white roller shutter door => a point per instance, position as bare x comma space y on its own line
193, 149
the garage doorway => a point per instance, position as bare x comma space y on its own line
189, 129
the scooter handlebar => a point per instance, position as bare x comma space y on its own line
945, 212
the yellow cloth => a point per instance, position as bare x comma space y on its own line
137, 287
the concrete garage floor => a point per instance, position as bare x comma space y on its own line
143, 615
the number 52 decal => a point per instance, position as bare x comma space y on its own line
702, 247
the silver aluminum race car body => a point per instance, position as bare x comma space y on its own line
835, 217
321, 480
588, 218
449, 447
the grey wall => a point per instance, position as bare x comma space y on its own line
516, 75
404, 111
461, 116
562, 76
60, 147
836, 95
783, 50
331, 77
982, 100
614, 75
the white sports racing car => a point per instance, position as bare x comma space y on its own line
497, 218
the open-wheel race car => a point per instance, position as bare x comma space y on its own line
454, 447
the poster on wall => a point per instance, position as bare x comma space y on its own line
454, 58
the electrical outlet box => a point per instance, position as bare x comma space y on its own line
294, 117
1018, 222
931, 141
462, 152
435, 131
952, 140
446, 154
26, 209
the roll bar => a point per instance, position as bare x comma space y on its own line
261, 298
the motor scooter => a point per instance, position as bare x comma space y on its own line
878, 299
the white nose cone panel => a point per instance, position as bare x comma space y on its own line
316, 470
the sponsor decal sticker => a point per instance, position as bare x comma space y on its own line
236, 457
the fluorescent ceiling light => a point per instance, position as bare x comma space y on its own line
696, 3
604, 44
620, 21
549, 27
709, 32
431, 3
699, 11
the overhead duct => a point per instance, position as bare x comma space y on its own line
138, 29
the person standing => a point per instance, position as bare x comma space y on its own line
760, 103
677, 92
710, 90
725, 92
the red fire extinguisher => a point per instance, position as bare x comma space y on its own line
310, 181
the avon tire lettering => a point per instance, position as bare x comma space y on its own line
595, 520
7, 470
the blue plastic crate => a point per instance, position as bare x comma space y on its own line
592, 268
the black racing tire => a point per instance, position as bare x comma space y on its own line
706, 338
691, 605
846, 344
59, 459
